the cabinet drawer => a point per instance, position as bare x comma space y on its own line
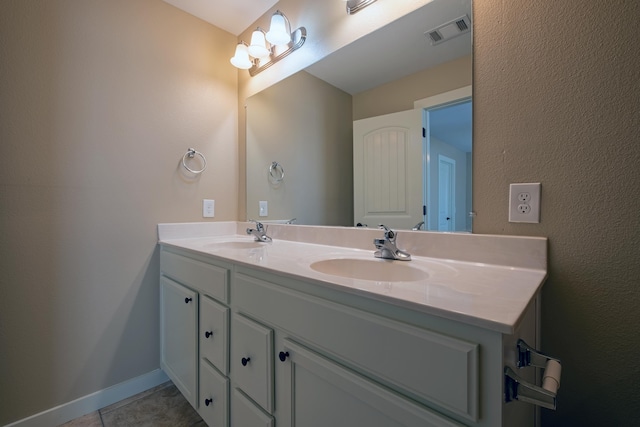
207, 278
431, 366
252, 359
214, 396
214, 333
245, 413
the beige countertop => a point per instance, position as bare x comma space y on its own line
477, 292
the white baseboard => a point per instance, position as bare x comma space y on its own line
92, 402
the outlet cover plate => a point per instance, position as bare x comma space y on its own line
524, 202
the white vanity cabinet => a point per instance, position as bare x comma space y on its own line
250, 347
194, 318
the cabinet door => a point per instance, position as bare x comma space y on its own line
252, 360
214, 396
327, 394
178, 336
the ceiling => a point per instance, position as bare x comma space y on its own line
233, 16
396, 50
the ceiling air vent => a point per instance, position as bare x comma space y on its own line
449, 30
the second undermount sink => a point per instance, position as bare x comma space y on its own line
375, 270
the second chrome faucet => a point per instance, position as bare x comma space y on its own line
260, 232
386, 247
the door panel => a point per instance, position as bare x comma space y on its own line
387, 161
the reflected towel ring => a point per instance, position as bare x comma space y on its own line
191, 153
276, 173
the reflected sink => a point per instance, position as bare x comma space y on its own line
236, 244
375, 269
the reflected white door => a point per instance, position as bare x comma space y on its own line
387, 167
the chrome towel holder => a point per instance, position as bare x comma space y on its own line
276, 173
191, 153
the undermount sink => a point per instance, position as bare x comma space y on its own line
375, 269
236, 244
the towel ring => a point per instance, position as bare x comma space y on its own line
191, 153
276, 173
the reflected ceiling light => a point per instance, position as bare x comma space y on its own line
354, 6
260, 55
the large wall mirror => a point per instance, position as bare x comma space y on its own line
377, 132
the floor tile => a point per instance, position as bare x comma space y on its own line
163, 408
133, 398
89, 420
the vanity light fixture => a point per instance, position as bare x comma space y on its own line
354, 6
269, 47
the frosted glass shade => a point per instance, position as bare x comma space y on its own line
278, 33
241, 58
258, 46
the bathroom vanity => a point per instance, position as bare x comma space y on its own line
287, 334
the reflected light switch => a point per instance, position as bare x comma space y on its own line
264, 208
208, 208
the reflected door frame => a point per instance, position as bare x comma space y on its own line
452, 97
446, 193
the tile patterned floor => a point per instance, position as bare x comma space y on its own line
162, 406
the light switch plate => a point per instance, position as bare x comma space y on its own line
264, 208
208, 208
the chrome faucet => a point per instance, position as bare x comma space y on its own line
260, 232
387, 248
418, 226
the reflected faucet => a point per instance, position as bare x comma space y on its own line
387, 248
260, 232
418, 226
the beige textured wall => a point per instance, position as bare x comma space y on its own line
99, 100
305, 124
557, 100
400, 94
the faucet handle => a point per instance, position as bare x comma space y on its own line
388, 233
259, 225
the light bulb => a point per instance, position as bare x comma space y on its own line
241, 58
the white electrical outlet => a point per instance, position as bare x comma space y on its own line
264, 208
524, 202
208, 208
